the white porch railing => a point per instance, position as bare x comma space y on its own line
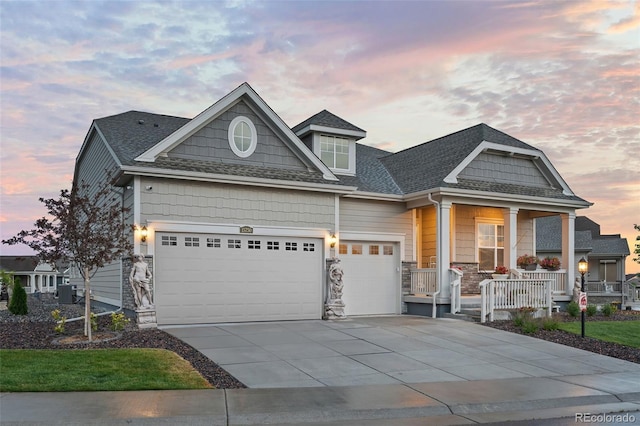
423, 282
514, 294
630, 295
455, 277
558, 278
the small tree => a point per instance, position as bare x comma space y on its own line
18, 302
86, 227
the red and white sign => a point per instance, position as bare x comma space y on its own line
582, 301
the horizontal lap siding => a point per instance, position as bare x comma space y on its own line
377, 217
223, 203
92, 169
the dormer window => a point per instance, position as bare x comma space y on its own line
334, 152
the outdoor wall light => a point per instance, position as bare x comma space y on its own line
333, 240
143, 234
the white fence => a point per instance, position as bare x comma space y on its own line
455, 276
514, 294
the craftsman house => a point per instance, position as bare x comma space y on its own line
237, 213
606, 254
34, 275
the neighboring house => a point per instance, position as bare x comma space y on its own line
606, 254
241, 212
35, 276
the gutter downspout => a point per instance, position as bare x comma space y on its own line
438, 255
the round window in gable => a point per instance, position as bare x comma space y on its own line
242, 136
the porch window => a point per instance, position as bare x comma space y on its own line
608, 271
490, 246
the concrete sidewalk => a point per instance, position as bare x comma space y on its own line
469, 402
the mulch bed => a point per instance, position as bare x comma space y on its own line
614, 350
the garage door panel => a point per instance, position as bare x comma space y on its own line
219, 282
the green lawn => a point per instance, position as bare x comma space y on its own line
95, 370
623, 332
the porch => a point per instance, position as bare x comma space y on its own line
537, 289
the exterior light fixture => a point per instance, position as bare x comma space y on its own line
583, 267
143, 234
333, 240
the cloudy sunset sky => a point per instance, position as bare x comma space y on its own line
563, 76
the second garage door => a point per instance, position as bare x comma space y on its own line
371, 277
208, 278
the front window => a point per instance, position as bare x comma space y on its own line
334, 152
490, 246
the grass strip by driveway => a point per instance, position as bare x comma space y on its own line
622, 332
95, 370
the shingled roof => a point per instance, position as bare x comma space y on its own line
326, 119
549, 237
419, 168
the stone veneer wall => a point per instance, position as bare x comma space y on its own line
471, 278
127, 292
406, 280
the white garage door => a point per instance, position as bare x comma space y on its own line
371, 277
207, 278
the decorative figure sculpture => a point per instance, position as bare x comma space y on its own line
139, 279
334, 306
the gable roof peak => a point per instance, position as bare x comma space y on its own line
328, 122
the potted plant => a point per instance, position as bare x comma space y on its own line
500, 273
550, 263
527, 262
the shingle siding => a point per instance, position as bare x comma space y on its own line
211, 143
503, 169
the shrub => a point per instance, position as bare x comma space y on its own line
59, 328
530, 327
609, 309
18, 302
94, 322
573, 309
591, 310
550, 324
118, 321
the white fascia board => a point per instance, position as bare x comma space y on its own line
478, 197
324, 129
222, 105
238, 180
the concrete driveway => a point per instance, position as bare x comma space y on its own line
384, 350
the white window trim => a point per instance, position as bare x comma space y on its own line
351, 171
483, 221
254, 136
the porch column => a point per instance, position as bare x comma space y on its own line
443, 245
569, 248
510, 237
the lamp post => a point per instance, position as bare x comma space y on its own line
583, 267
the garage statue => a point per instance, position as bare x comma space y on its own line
334, 306
139, 279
